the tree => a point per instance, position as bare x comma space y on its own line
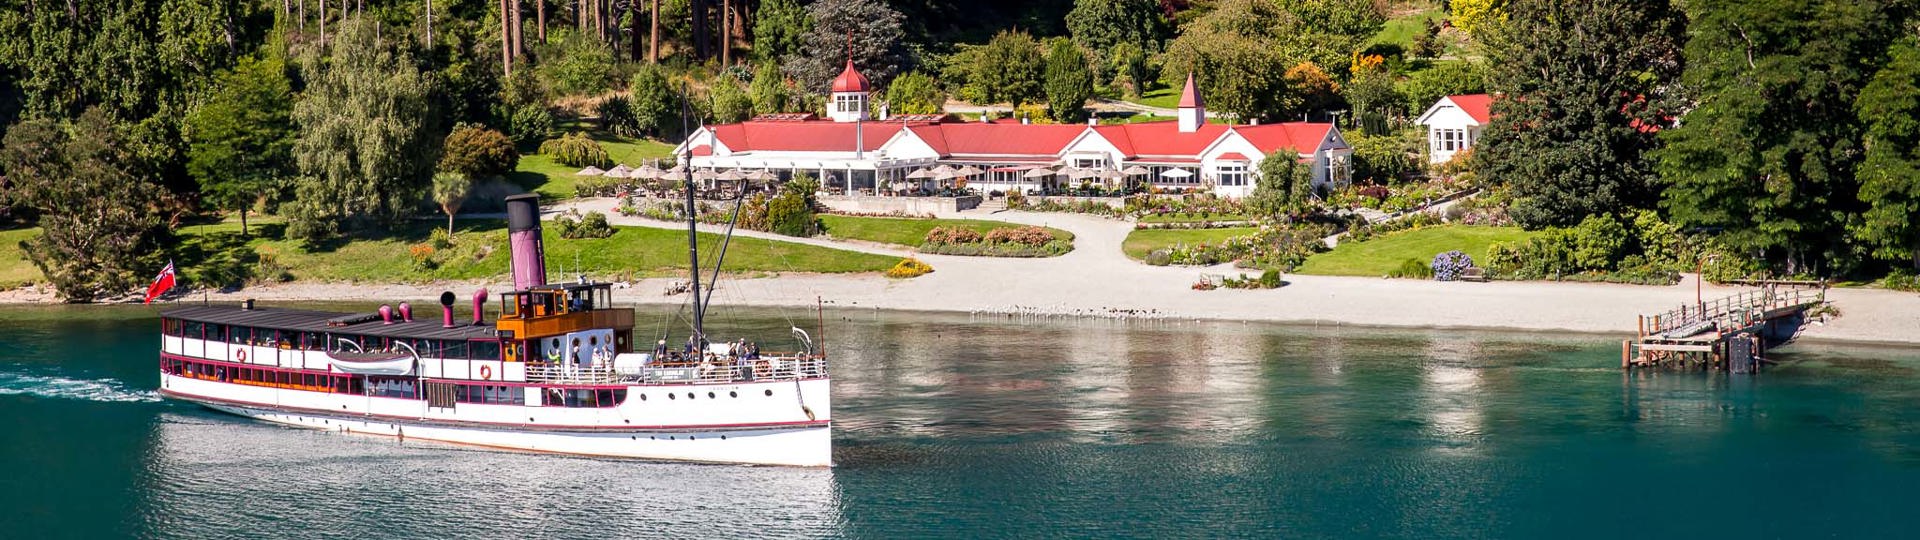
1311, 89
240, 140
575, 64
477, 152
1581, 108
656, 106
450, 190
1473, 16
1099, 25
1284, 186
1238, 55
366, 149
1069, 83
1129, 69
1446, 78
1768, 157
779, 30
1006, 70
769, 90
730, 102
875, 32
915, 93
101, 227
1889, 106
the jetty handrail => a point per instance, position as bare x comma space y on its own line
1738, 307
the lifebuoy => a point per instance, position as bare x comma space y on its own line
486, 373
241, 354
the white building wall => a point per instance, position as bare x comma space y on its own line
1449, 130
1210, 164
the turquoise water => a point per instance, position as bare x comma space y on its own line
950, 427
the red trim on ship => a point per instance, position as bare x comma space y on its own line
535, 427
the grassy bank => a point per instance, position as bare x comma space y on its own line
909, 232
1380, 255
1141, 242
15, 269
541, 174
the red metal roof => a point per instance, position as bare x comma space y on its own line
1478, 106
1160, 138
1232, 156
850, 80
1302, 137
815, 136
1190, 95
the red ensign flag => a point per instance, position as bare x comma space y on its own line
161, 283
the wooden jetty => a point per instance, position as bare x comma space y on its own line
1729, 333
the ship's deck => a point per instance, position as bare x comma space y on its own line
300, 320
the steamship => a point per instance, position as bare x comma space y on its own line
557, 371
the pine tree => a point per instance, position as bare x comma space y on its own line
1069, 83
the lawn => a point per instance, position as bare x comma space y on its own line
552, 180
480, 252
1400, 30
15, 269
1378, 256
1165, 98
1140, 242
909, 232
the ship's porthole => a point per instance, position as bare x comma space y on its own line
643, 397
652, 438
733, 394
670, 438
690, 395
769, 393
529, 419
627, 421
690, 438
710, 395
723, 437
670, 395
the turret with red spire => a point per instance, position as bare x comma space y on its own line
849, 98
1193, 111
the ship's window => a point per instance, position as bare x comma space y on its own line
216, 332
483, 350
195, 329
238, 334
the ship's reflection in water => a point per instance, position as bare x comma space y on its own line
215, 477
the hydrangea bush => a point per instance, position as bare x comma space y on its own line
1448, 266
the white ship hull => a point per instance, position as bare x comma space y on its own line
741, 423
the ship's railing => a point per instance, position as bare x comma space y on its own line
572, 374
728, 369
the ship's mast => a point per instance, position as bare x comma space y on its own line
693, 239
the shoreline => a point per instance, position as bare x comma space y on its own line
1868, 317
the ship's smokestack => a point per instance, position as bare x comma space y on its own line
479, 302
529, 255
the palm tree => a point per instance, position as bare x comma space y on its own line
450, 189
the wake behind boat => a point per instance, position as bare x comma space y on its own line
558, 372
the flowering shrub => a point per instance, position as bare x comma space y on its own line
1273, 246
952, 235
1029, 235
572, 225
1448, 266
909, 268
422, 256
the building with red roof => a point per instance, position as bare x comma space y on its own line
852, 152
1454, 123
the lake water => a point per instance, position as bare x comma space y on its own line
957, 428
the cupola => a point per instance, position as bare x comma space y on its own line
849, 99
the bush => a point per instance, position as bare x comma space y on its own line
1271, 279
576, 150
952, 235
572, 225
1029, 235
530, 124
1902, 280
909, 268
422, 256
477, 152
616, 116
1450, 265
1412, 269
440, 239
987, 249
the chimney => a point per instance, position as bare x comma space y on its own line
479, 304
529, 255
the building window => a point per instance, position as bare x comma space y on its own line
1232, 174
846, 103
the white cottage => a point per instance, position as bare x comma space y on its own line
852, 153
1454, 124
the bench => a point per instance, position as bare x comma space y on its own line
1475, 274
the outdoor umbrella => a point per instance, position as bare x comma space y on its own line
1134, 170
920, 174
762, 175
619, 171
1082, 174
968, 171
646, 172
590, 171
731, 175
943, 169
1176, 173
1038, 172
676, 174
